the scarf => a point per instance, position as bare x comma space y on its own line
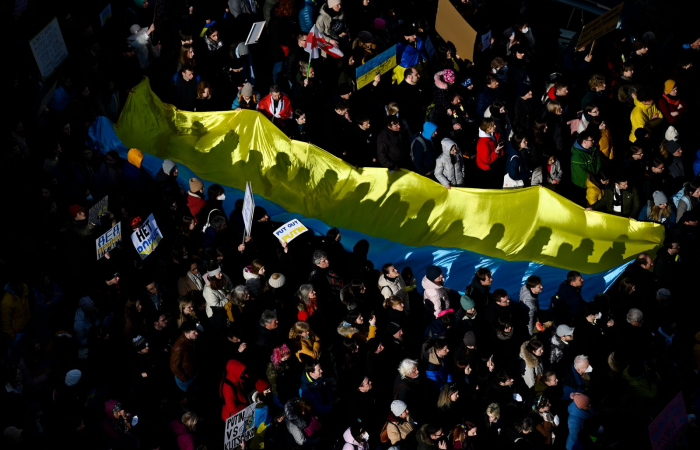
671, 100
276, 111
197, 280
617, 197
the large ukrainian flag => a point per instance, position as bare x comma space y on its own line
408, 219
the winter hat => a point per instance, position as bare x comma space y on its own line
581, 400
466, 302
446, 311
448, 75
564, 330
333, 3
344, 89
277, 280
672, 146
469, 339
247, 90
671, 134
660, 198
135, 28
668, 86
379, 23
398, 407
74, 210
517, 48
641, 133
467, 82
86, 304
365, 37
139, 343
135, 157
214, 271
392, 328
432, 272
116, 408
168, 166
73, 377
261, 386
196, 185
258, 213
523, 89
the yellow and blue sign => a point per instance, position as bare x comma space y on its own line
146, 237
380, 64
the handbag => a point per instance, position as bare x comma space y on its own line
313, 427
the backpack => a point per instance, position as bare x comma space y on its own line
418, 137
680, 195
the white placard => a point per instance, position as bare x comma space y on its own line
290, 230
49, 49
255, 32
248, 208
239, 427
147, 237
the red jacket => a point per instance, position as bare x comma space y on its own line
231, 389
668, 105
486, 151
284, 110
195, 204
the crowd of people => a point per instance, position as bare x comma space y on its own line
334, 350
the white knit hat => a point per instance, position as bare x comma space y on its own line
277, 280
332, 3
671, 134
398, 407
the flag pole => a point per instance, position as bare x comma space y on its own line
308, 67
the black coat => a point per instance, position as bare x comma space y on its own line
392, 149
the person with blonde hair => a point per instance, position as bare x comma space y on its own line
659, 210
304, 342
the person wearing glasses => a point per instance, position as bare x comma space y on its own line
585, 159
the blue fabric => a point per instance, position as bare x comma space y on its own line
576, 419
428, 130
410, 56
516, 165
307, 13
458, 265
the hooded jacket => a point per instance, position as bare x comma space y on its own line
82, 325
389, 287
310, 346
231, 389
296, 422
436, 370
185, 439
642, 117
531, 366
583, 162
486, 149
543, 176
325, 19
255, 283
576, 418
352, 332
422, 153
351, 443
516, 164
528, 299
449, 169
435, 294
398, 429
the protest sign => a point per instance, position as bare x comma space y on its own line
98, 209
49, 49
452, 27
600, 26
255, 32
380, 64
665, 430
290, 230
105, 14
240, 427
485, 40
147, 237
109, 240
248, 208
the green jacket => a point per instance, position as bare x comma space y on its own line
583, 162
630, 202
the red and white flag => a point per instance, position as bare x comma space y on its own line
315, 41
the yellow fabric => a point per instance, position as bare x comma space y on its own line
605, 144
641, 117
531, 224
135, 156
593, 192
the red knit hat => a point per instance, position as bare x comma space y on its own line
261, 386
74, 210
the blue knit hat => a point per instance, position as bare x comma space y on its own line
432, 272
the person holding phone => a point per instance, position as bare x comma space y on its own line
489, 149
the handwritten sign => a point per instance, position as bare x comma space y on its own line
600, 26
49, 49
290, 230
98, 209
147, 237
668, 426
248, 208
239, 427
380, 64
108, 241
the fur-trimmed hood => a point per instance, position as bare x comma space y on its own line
531, 360
423, 437
438, 81
347, 330
291, 410
248, 275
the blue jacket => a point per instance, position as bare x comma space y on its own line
307, 16
409, 56
572, 382
644, 214
318, 392
422, 152
516, 164
485, 99
576, 418
696, 164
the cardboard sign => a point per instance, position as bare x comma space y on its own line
240, 427
255, 32
147, 237
49, 49
248, 208
380, 64
108, 241
668, 426
600, 26
485, 40
105, 14
98, 209
290, 230
452, 27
